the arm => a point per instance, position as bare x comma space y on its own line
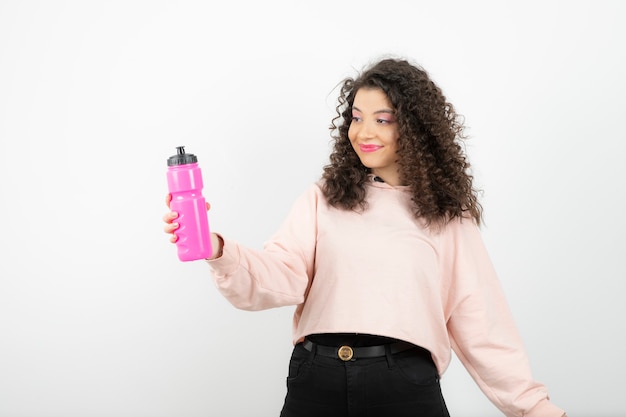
279, 274
482, 330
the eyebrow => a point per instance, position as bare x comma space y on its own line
386, 111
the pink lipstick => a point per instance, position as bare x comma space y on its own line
369, 148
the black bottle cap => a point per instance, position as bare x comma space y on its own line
181, 158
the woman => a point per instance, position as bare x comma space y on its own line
384, 260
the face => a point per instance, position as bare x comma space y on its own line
374, 134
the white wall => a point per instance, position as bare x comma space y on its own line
97, 315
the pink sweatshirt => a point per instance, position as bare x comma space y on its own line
381, 272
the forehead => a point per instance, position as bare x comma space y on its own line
371, 99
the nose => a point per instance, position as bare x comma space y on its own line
364, 131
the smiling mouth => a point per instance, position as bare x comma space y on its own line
369, 148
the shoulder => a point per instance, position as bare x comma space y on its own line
459, 232
462, 225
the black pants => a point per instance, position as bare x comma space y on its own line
404, 384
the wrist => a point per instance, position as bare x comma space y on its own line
217, 244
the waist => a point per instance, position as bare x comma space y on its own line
350, 347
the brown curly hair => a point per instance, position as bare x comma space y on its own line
430, 156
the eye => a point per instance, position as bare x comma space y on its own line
355, 118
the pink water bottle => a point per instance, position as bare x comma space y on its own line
184, 180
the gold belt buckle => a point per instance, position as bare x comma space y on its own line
345, 353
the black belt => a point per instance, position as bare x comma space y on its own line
347, 353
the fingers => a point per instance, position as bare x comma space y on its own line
170, 216
170, 224
170, 228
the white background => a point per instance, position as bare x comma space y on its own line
97, 315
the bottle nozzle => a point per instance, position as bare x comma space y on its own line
181, 158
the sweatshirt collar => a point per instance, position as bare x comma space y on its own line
378, 182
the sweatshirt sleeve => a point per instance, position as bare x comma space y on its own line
482, 330
280, 274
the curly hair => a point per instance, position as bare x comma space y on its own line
431, 160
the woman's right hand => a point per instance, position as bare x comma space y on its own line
170, 220
171, 225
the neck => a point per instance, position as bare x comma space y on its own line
391, 179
